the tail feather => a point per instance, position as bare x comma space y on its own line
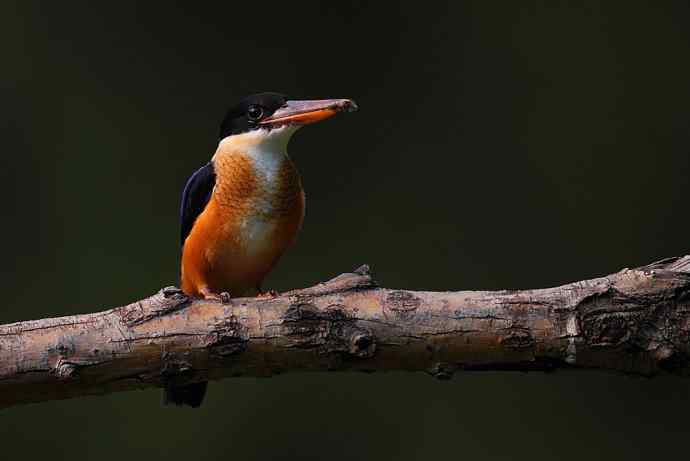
189, 394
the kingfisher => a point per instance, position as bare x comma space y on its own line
245, 207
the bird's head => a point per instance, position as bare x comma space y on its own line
272, 111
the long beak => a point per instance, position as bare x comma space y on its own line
304, 112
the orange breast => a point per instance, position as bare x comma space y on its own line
245, 228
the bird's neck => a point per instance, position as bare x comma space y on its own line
254, 168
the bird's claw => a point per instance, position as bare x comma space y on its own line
270, 294
223, 298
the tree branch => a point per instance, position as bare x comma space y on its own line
633, 321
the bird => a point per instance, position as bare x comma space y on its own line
245, 207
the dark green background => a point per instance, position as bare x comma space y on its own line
496, 147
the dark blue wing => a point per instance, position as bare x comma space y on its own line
197, 193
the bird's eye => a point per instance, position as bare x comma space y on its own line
255, 112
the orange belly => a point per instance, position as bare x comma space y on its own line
232, 248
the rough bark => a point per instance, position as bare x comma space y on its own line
633, 321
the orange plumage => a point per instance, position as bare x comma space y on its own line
252, 217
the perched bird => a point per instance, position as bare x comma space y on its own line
244, 208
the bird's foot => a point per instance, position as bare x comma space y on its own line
270, 294
223, 298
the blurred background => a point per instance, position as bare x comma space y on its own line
496, 147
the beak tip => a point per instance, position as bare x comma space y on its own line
348, 105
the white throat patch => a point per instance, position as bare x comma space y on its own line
267, 148
270, 152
